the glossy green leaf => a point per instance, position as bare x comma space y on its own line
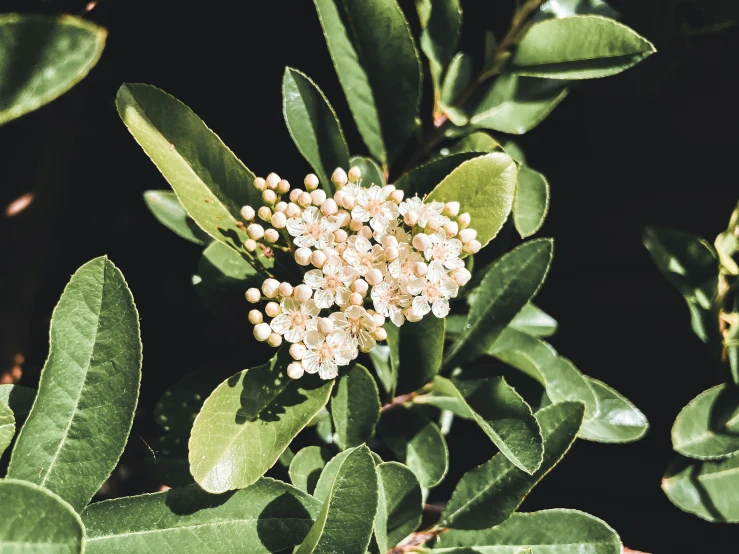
502, 415
420, 348
88, 388
479, 141
248, 421
441, 24
378, 67
306, 467
456, 80
488, 494
222, 278
385, 369
313, 125
371, 172
7, 427
524, 352
558, 531
355, 407
417, 442
210, 182
507, 287
326, 479
578, 47
345, 521
400, 506
168, 211
484, 187
708, 489
422, 179
268, 516
617, 420
38, 521
18, 398
531, 202
42, 57
534, 321
708, 427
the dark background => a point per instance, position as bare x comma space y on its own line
655, 145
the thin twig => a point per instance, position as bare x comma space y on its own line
414, 540
398, 401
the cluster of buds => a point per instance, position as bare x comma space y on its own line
372, 254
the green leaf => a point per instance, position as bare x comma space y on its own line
18, 398
557, 531
36, 520
268, 516
345, 522
371, 172
400, 505
488, 494
42, 57
708, 427
441, 24
422, 179
617, 419
7, 427
385, 369
306, 467
417, 442
512, 104
484, 187
248, 421
209, 181
88, 388
355, 407
457, 77
313, 125
524, 352
378, 67
531, 202
168, 211
534, 321
707, 489
502, 415
323, 485
578, 47
419, 347
222, 278
567, 8
507, 287
479, 141
689, 264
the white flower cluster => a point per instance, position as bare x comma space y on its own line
365, 245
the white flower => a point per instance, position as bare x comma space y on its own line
445, 251
331, 284
434, 292
312, 229
358, 323
296, 319
424, 213
352, 189
363, 256
402, 267
326, 353
373, 206
389, 300
394, 229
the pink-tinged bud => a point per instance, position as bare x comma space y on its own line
318, 197
272, 180
366, 232
260, 184
421, 242
356, 225
340, 235
360, 286
269, 287
255, 231
250, 245
339, 177
302, 256
432, 225
451, 209
389, 242
255, 316
264, 213
356, 299
304, 200
339, 197
325, 325
271, 235
295, 370
278, 220
464, 220
461, 276
355, 174
342, 217
247, 212
472, 247
420, 269
379, 319
280, 207
253, 295
269, 196
274, 340
310, 182
297, 351
380, 333
348, 201
467, 235
285, 290
410, 218
391, 254
397, 196
451, 229
318, 258
329, 207
302, 293
262, 331
283, 186
373, 277
294, 194
272, 309
293, 210
412, 316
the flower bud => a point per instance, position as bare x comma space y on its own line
272, 309
355, 174
280, 207
318, 197
410, 218
269, 196
360, 286
274, 340
389, 242
472, 247
255, 231
302, 256
325, 325
379, 319
348, 201
380, 333
388, 189
262, 331
451, 209
250, 245
302, 293
329, 207
310, 182
304, 200
340, 235
339, 177
355, 225
295, 370
285, 290
293, 210
253, 295
421, 242
272, 180
260, 184
467, 235
366, 232
283, 186
297, 350
269, 287
342, 217
464, 220
278, 220
255, 316
391, 254
451, 229
271, 235
420, 269
412, 316
264, 213
318, 258
373, 277
247, 212
356, 299
461, 276
294, 194
432, 225
397, 196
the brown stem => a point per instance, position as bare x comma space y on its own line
417, 539
398, 401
